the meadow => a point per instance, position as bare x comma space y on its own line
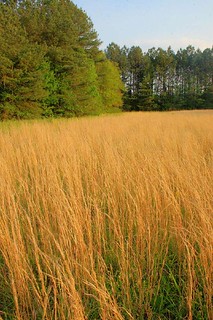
107, 218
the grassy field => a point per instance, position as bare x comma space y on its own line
107, 218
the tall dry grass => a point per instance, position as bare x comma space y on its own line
107, 218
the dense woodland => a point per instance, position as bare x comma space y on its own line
50, 62
51, 66
164, 80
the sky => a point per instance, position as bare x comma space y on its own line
152, 23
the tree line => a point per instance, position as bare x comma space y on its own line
164, 80
51, 64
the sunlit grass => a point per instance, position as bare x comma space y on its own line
107, 218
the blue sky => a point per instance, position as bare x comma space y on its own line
152, 23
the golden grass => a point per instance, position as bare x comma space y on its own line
107, 218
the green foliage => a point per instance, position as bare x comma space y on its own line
7, 306
207, 96
21, 80
49, 53
110, 84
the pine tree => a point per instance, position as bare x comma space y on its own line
72, 46
21, 80
50, 62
